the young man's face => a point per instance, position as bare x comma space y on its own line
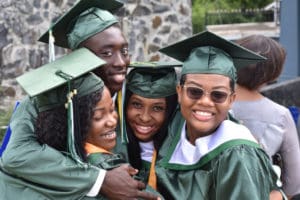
204, 111
111, 46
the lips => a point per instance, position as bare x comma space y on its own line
203, 115
144, 130
118, 78
109, 135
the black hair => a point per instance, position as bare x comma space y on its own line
51, 126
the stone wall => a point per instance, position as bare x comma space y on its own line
147, 24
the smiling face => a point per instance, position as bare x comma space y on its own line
145, 116
111, 46
102, 131
203, 115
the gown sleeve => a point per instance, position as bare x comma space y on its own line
244, 173
39, 166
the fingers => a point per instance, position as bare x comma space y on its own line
147, 195
132, 171
140, 185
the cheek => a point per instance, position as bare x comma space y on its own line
186, 103
159, 118
96, 126
222, 111
127, 60
131, 113
102, 72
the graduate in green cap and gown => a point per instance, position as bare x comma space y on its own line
48, 87
150, 101
88, 23
206, 156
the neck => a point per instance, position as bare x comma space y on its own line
244, 94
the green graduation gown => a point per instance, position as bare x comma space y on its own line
110, 161
34, 171
223, 168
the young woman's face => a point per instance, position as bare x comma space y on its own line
205, 100
102, 132
111, 46
145, 116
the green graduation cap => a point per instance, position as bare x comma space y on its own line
58, 72
209, 53
55, 84
83, 20
150, 80
153, 79
156, 64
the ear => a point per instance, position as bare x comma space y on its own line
232, 98
179, 91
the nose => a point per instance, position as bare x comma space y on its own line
206, 100
120, 60
145, 115
112, 119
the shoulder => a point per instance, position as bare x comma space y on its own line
26, 110
232, 130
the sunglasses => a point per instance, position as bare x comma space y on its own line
196, 93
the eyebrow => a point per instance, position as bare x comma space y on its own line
201, 86
112, 45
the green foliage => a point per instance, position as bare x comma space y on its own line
4, 119
200, 7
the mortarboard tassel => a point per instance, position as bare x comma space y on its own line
70, 112
51, 46
121, 101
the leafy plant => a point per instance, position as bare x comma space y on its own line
201, 7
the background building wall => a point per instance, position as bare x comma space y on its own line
147, 24
290, 37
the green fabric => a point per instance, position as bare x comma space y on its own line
156, 64
62, 27
89, 23
48, 173
152, 83
64, 73
54, 74
207, 52
106, 161
121, 149
209, 60
110, 161
240, 171
85, 85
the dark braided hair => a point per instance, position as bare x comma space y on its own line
51, 125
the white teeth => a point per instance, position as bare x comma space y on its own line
203, 113
143, 129
119, 77
109, 135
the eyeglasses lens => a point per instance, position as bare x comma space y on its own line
197, 93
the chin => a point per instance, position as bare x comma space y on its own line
115, 89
